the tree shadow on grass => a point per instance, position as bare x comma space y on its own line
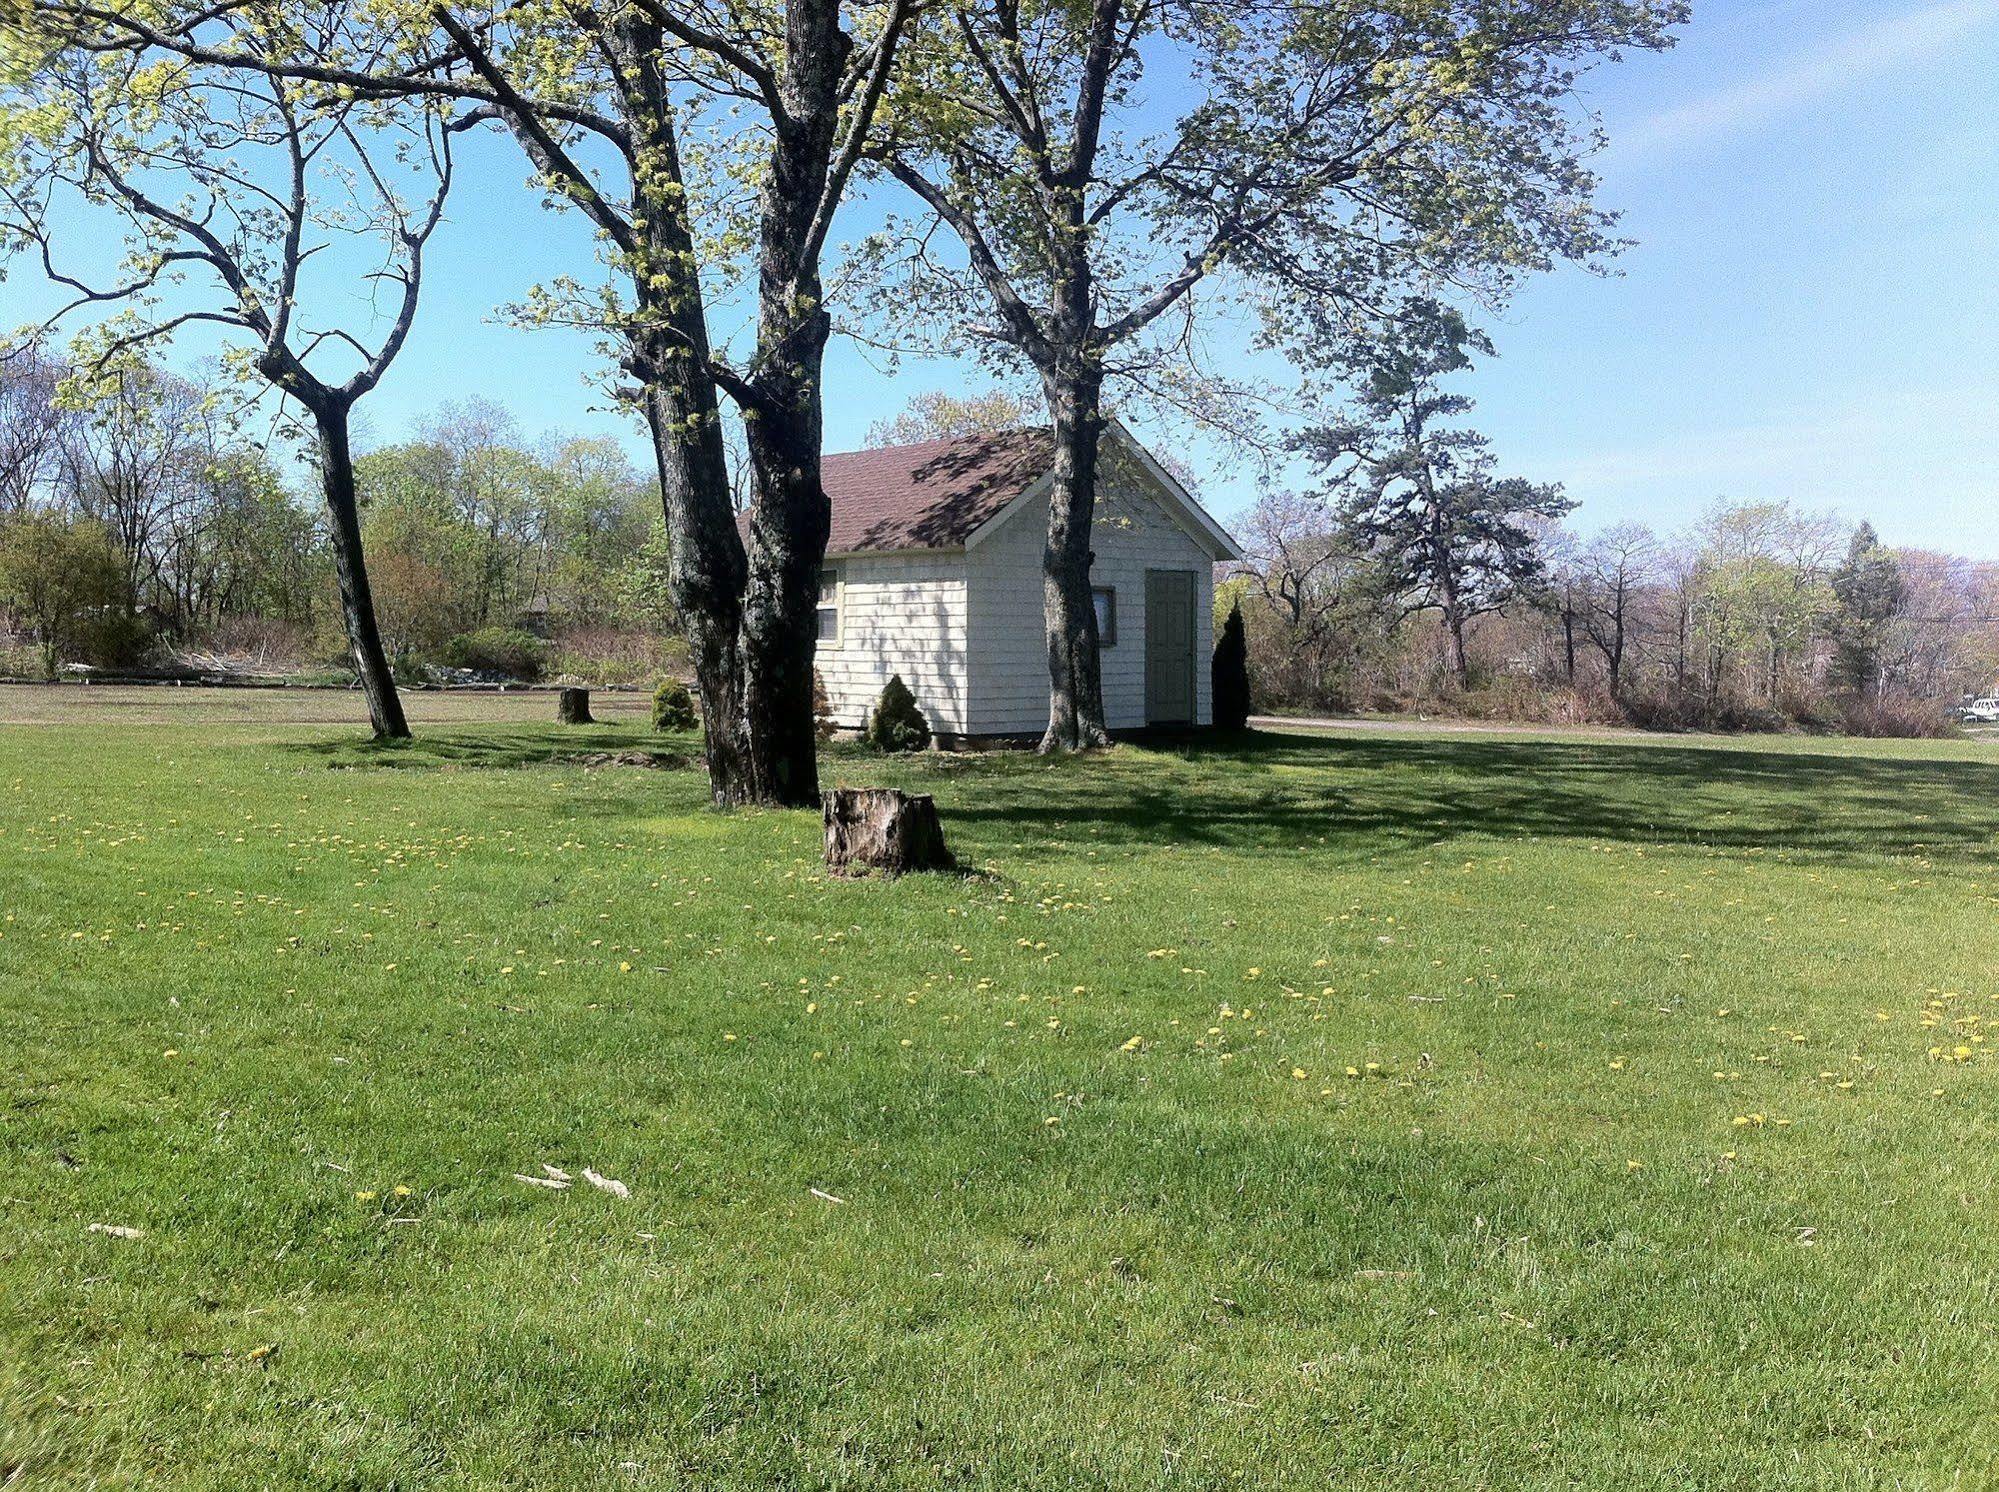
1280, 792
499, 748
1274, 793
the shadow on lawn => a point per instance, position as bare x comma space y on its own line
501, 747
1278, 792
1272, 792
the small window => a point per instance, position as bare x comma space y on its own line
1105, 597
829, 608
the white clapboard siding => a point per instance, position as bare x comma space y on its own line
900, 613
1132, 533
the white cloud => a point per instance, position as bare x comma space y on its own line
1816, 72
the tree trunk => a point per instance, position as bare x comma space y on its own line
706, 566
785, 412
878, 828
1075, 676
357, 601
572, 707
788, 528
1454, 636
669, 357
751, 614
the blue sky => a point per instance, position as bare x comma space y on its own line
1810, 312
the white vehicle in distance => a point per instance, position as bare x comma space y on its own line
1983, 711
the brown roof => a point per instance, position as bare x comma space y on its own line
932, 495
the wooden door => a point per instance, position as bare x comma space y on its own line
1170, 597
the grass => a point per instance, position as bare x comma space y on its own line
1365, 1109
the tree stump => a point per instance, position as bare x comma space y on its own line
572, 707
878, 828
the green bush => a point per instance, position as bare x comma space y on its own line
673, 707
897, 724
114, 640
502, 650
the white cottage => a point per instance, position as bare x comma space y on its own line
933, 571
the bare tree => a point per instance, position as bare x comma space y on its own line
232, 183
35, 430
939, 416
1325, 602
1618, 568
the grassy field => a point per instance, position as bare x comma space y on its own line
1361, 1110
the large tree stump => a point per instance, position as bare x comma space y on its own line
878, 828
572, 707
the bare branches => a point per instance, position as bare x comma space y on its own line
753, 68
1020, 320
875, 72
527, 122
264, 196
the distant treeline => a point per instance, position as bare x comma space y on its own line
1760, 616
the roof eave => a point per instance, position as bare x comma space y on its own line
842, 554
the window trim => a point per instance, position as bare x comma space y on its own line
1106, 635
839, 607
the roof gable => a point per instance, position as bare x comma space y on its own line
1164, 488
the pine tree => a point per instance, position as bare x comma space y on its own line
1418, 494
1868, 590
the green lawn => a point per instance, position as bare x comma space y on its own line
1369, 1110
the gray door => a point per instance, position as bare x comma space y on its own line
1170, 597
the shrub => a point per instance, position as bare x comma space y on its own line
613, 657
673, 707
1230, 674
501, 650
1522, 700
897, 724
1898, 715
822, 709
114, 640
1678, 712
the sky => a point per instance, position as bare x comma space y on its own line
1809, 312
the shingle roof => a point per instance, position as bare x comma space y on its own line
932, 495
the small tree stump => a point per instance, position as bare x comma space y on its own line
878, 828
572, 707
